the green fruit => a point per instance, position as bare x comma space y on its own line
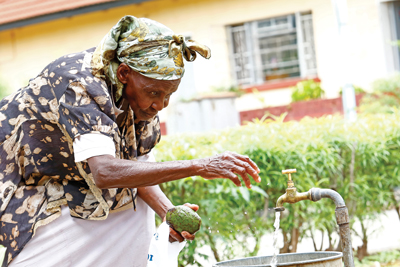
182, 218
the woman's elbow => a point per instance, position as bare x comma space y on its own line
101, 171
100, 178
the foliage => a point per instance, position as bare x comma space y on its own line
306, 90
268, 117
262, 99
386, 258
360, 160
357, 90
233, 89
385, 95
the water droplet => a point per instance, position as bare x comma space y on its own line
245, 212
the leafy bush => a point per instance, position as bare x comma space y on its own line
232, 89
388, 258
306, 90
360, 160
385, 95
357, 90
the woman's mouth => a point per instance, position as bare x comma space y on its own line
150, 115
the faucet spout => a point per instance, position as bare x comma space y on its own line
291, 196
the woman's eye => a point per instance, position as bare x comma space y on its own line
153, 93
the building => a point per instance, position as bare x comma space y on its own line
264, 44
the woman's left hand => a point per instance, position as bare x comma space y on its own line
175, 236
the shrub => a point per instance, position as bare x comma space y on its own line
358, 160
306, 90
385, 95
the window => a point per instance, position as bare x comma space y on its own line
394, 17
273, 49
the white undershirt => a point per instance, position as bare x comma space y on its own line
92, 144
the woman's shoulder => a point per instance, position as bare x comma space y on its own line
73, 63
71, 69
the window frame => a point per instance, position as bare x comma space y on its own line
251, 59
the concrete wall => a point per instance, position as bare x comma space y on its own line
25, 51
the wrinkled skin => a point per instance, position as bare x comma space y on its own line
146, 97
227, 164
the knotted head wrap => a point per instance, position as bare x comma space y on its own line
147, 47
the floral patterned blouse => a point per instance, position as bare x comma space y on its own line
38, 124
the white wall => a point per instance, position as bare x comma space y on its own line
25, 51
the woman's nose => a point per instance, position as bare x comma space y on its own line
158, 105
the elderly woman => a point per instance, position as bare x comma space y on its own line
78, 185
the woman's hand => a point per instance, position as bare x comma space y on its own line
175, 236
227, 165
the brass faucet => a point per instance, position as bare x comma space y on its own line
316, 194
291, 195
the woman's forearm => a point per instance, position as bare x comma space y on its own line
156, 199
109, 172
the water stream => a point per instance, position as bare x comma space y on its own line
274, 259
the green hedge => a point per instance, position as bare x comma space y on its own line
360, 160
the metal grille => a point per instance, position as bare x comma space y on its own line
271, 49
241, 55
308, 44
279, 57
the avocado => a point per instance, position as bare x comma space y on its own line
182, 218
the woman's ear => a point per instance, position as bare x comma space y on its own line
123, 72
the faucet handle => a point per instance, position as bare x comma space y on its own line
289, 172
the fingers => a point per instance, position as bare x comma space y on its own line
243, 173
175, 236
230, 165
192, 206
247, 168
244, 166
187, 235
248, 160
231, 176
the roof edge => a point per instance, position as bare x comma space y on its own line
68, 13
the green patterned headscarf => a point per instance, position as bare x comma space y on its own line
147, 47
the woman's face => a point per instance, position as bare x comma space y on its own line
146, 96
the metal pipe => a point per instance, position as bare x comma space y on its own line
342, 219
316, 194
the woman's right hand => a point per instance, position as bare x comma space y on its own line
227, 165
